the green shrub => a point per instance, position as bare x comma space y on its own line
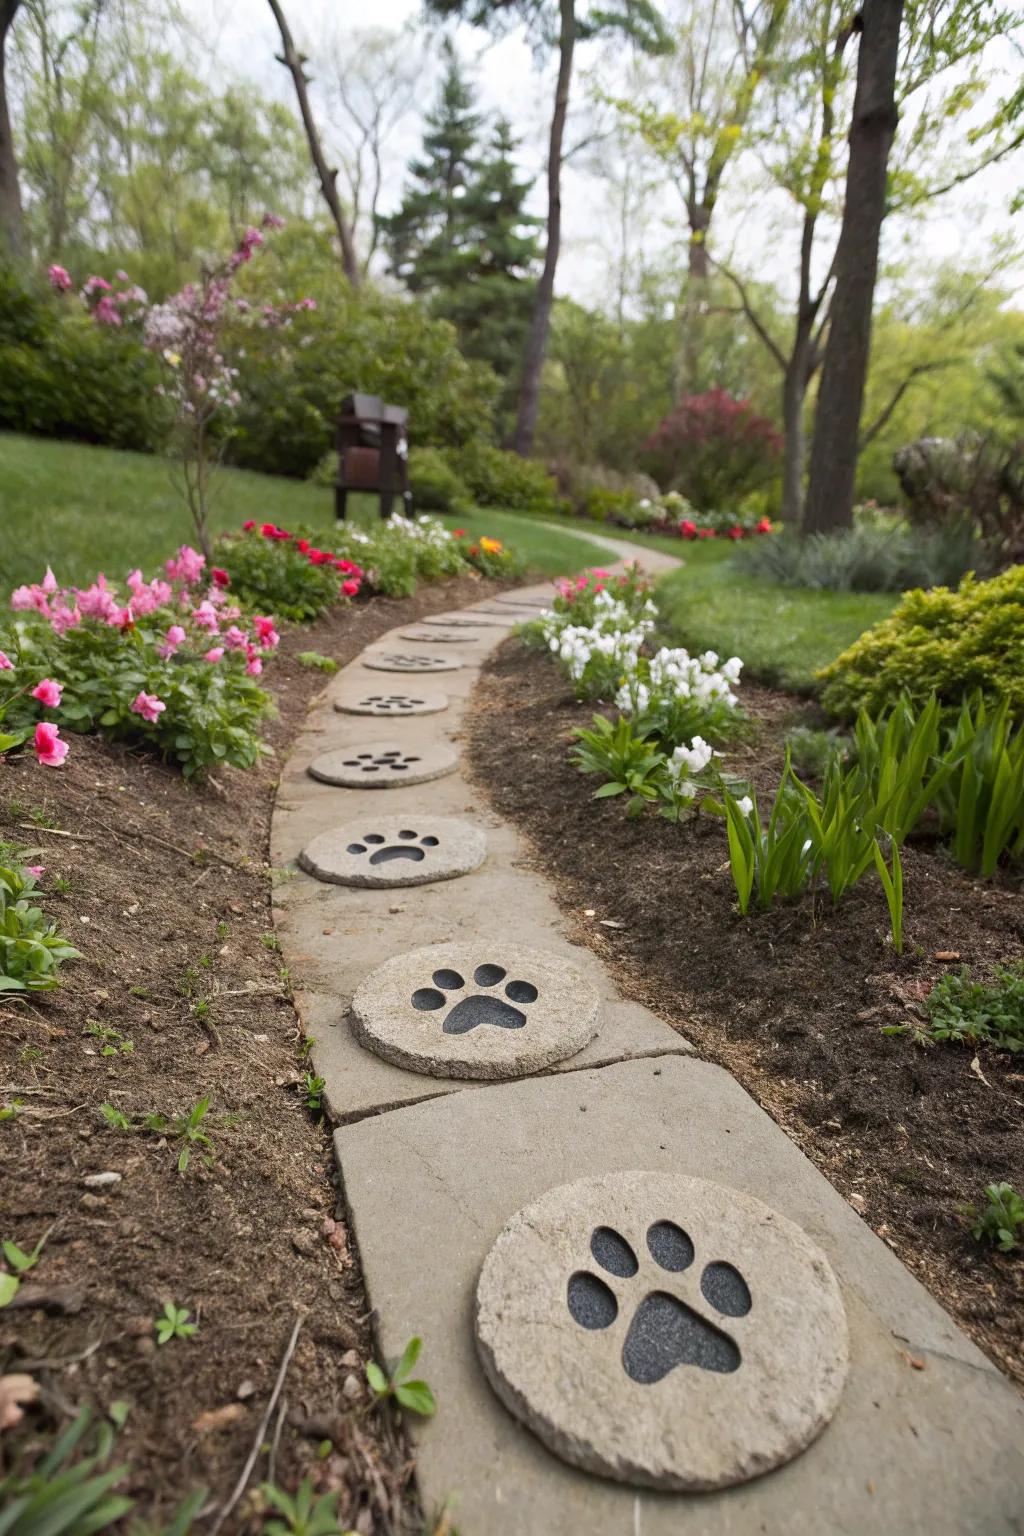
869, 557
399, 552
31, 949
950, 642
435, 485
61, 375
1000, 1221
604, 506
496, 478
285, 576
962, 1011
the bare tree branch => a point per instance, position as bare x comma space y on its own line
869, 434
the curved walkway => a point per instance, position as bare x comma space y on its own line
928, 1436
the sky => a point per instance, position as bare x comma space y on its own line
752, 229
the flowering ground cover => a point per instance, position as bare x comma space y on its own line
807, 1003
179, 1000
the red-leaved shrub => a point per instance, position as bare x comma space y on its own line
712, 448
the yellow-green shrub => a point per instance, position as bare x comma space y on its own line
946, 641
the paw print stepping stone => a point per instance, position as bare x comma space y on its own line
438, 636
662, 1330
392, 851
392, 706
475, 1010
409, 661
465, 621
383, 765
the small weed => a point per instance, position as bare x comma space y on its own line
315, 659
10, 1110
270, 941
306, 1044
114, 1043
813, 752
206, 961
30, 1053
173, 1323
1000, 1221
43, 818
304, 1514
19, 1263
15, 809
312, 1087
139, 991
965, 1012
223, 929
202, 1008
414, 1395
62, 884
188, 1129
115, 1118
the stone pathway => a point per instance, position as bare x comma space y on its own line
626, 1277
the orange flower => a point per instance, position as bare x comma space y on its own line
490, 546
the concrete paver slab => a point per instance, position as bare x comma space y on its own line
937, 1451
387, 851
393, 706
383, 764
408, 661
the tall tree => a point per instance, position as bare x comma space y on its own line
11, 220
844, 371
295, 63
560, 28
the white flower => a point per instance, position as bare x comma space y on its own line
745, 806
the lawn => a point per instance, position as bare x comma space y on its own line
783, 634
82, 509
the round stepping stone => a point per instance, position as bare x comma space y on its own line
662, 1330
383, 765
520, 602
475, 1010
420, 701
438, 636
409, 661
467, 621
395, 850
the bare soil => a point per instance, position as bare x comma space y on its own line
792, 1001
166, 890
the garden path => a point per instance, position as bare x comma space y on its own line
455, 1108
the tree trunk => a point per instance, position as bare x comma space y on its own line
841, 397
12, 226
537, 340
794, 389
295, 64
695, 301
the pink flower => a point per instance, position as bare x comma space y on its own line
254, 666
97, 601
123, 618
236, 639
765, 525
30, 597
205, 616
272, 221
350, 588
64, 618
6, 664
48, 692
688, 529
187, 566
148, 706
49, 582
174, 637
215, 654
35, 870
736, 532
60, 278
96, 284
106, 312
268, 635
50, 750
249, 526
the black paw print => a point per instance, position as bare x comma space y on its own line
391, 762
409, 846
664, 1332
479, 1008
410, 663
393, 703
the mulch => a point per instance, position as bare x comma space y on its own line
169, 899
792, 1001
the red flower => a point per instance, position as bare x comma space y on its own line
249, 526
736, 532
302, 545
350, 587
268, 530
321, 557
765, 525
459, 533
687, 529
221, 578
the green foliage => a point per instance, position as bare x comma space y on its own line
983, 800
866, 558
32, 950
276, 576
949, 642
317, 661
435, 484
773, 861
312, 1091
57, 1498
496, 478
626, 760
61, 375
18, 1263
812, 751
399, 552
962, 1011
416, 1396
173, 1323
1000, 1221
306, 1514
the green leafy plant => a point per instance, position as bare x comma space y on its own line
115, 1118
982, 799
315, 660
188, 1129
812, 752
113, 1042
305, 1513
962, 1011
32, 950
57, 1498
892, 885
19, 1263
11, 1109
416, 1396
173, 1323
286, 574
1000, 1221
312, 1090
625, 759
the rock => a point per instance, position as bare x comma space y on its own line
352, 1360
662, 1330
304, 1242
475, 1010
101, 1180
246, 1389
395, 851
93, 1203
138, 1327
352, 1388
145, 1347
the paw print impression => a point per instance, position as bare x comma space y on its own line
664, 1331
409, 845
380, 762
484, 1007
393, 703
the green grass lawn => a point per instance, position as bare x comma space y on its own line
82, 509
783, 634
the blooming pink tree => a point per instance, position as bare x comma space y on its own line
187, 333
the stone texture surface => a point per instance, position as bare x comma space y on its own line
477, 620
383, 764
652, 1382
395, 660
392, 851
391, 705
932, 1451
488, 1009
441, 636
